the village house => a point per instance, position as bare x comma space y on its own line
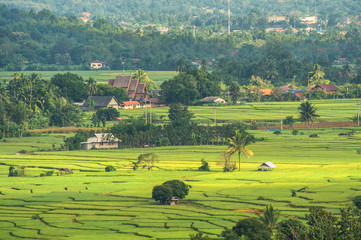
97, 65
99, 102
130, 104
100, 141
136, 91
212, 100
327, 88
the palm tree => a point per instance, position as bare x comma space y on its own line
238, 144
315, 75
307, 114
91, 86
269, 217
142, 77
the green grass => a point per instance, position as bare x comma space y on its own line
100, 76
90, 202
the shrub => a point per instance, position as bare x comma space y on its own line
277, 132
294, 132
291, 229
204, 166
357, 202
49, 173
199, 236
110, 168
252, 228
163, 194
16, 171
294, 194
289, 121
314, 135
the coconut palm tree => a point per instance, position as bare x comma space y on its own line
269, 217
92, 86
238, 144
307, 114
142, 77
315, 75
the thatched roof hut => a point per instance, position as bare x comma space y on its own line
267, 166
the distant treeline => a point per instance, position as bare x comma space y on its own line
43, 41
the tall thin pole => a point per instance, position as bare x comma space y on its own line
150, 114
146, 116
229, 17
281, 120
358, 113
215, 115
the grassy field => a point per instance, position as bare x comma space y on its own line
100, 76
93, 204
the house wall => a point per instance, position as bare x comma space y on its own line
96, 65
113, 104
98, 145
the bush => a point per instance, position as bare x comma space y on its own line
204, 166
314, 135
252, 229
16, 171
290, 229
357, 202
277, 132
110, 168
163, 194
289, 121
49, 173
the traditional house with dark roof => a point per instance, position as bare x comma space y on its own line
136, 91
100, 102
327, 88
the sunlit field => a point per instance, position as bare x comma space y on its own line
94, 204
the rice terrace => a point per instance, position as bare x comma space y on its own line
93, 204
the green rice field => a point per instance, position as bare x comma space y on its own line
100, 76
94, 204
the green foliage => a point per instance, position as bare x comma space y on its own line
18, 171
289, 121
308, 113
291, 229
163, 194
105, 114
204, 166
199, 236
269, 217
110, 168
179, 188
179, 115
106, 90
322, 224
295, 132
74, 143
277, 133
357, 202
238, 144
71, 86
146, 160
251, 228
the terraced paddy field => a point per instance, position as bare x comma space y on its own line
94, 204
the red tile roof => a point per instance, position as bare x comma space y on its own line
131, 103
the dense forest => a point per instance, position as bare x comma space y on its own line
176, 13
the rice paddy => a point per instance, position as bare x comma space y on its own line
93, 204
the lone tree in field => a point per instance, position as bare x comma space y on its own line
238, 144
146, 160
307, 114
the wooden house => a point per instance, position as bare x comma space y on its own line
327, 88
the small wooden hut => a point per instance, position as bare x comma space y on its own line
174, 201
267, 166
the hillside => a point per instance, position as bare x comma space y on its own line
173, 12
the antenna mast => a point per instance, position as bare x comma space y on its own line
229, 17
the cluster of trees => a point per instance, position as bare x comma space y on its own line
181, 130
320, 224
29, 102
42, 41
173, 188
245, 14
